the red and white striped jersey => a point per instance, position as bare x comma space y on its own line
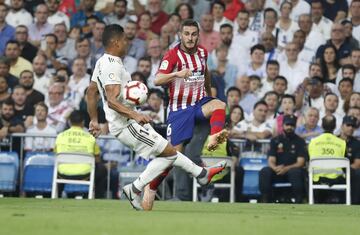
185, 92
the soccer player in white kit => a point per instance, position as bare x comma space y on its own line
130, 127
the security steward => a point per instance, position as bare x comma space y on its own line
348, 126
77, 140
286, 159
330, 146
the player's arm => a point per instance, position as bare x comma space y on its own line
165, 78
92, 96
112, 92
208, 82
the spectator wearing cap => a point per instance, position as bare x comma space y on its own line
286, 159
327, 145
353, 154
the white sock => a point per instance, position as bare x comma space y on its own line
153, 170
187, 165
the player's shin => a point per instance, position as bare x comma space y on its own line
217, 121
187, 165
153, 170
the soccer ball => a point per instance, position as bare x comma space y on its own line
135, 93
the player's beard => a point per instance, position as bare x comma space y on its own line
191, 49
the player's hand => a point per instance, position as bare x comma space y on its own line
94, 128
185, 73
142, 118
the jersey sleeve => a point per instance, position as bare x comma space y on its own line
168, 63
112, 73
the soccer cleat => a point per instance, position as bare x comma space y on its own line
211, 172
133, 197
148, 198
216, 139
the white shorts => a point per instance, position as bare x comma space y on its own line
144, 140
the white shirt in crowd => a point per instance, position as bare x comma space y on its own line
301, 8
22, 17
294, 75
323, 27
77, 89
40, 143
59, 17
240, 47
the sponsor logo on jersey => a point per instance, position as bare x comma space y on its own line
164, 65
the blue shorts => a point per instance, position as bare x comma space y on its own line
181, 123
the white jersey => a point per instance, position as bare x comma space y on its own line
109, 70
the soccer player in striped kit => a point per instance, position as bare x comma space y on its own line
184, 70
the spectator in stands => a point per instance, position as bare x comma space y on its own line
59, 109
66, 45
255, 85
80, 17
154, 52
97, 48
270, 19
355, 18
321, 24
56, 16
226, 34
345, 89
248, 99
256, 65
327, 145
310, 128
154, 106
232, 7
9, 123
292, 68
17, 63
337, 39
287, 107
350, 123
329, 64
41, 127
236, 115
310, 94
243, 39
158, 16
11, 80
90, 24
209, 38
7, 31
119, 14
33, 96
299, 7
18, 15
352, 101
144, 31
77, 140
54, 61
167, 36
217, 11
286, 25
78, 82
40, 27
257, 128
280, 85
22, 111
233, 95
331, 107
306, 54
313, 38
268, 40
355, 111
355, 61
349, 34
272, 71
271, 98
286, 159
28, 51
185, 11
4, 90
137, 46
42, 75
82, 47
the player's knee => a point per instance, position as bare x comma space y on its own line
218, 104
168, 151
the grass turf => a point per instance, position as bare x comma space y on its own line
109, 217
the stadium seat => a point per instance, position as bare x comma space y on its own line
66, 158
208, 161
9, 165
38, 172
252, 163
325, 164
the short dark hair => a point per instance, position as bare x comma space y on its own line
233, 88
124, 1
76, 117
348, 66
5, 60
288, 96
190, 8
189, 22
243, 11
42, 104
272, 62
140, 75
13, 42
9, 102
254, 77
111, 31
270, 93
226, 25
328, 123
281, 78
269, 9
52, 35
157, 92
26, 71
218, 2
329, 94
260, 102
346, 79
257, 47
144, 58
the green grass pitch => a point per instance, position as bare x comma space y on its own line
110, 217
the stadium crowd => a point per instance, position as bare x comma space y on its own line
275, 63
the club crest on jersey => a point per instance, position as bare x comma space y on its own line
164, 65
111, 76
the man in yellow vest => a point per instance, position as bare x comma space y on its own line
77, 140
327, 145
